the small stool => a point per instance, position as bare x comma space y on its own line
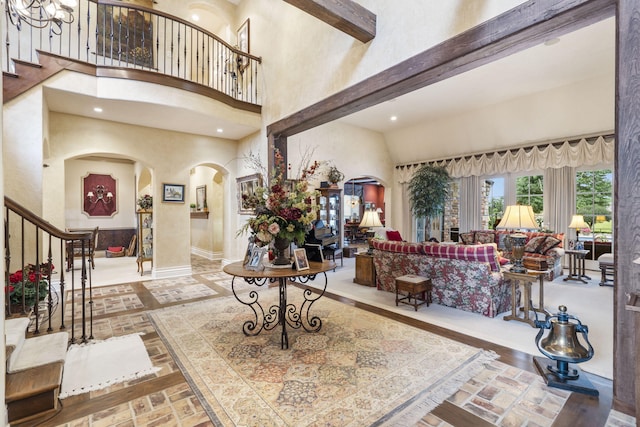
607, 269
414, 285
331, 253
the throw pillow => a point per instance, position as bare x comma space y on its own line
502, 260
394, 236
485, 237
533, 244
115, 248
467, 238
549, 243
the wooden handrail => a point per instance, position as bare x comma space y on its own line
44, 225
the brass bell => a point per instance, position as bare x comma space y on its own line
563, 346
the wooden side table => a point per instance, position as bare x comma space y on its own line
414, 286
365, 270
576, 265
527, 280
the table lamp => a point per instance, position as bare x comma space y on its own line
577, 222
370, 219
517, 217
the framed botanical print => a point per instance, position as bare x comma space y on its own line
247, 186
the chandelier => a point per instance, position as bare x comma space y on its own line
41, 13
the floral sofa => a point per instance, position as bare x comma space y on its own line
464, 277
542, 251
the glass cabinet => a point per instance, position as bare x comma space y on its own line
145, 239
330, 212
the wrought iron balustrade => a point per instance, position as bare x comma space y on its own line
110, 34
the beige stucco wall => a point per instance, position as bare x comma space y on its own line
73, 136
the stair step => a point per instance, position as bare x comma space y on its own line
39, 351
33, 392
15, 330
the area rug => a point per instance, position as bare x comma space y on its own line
100, 364
359, 369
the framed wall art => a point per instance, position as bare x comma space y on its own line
99, 195
173, 193
243, 36
247, 186
201, 197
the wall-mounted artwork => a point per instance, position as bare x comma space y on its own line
124, 35
99, 195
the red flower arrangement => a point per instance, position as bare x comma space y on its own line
23, 282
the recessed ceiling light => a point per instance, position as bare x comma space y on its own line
97, 110
219, 130
195, 17
393, 118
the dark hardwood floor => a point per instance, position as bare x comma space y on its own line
161, 399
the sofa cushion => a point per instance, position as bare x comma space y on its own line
394, 236
467, 238
480, 253
534, 244
400, 247
549, 243
485, 237
559, 236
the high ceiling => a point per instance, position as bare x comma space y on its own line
577, 56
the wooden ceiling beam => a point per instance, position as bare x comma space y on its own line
345, 15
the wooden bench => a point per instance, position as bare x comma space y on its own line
417, 288
74, 248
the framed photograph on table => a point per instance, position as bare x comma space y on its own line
247, 186
300, 255
201, 197
173, 193
256, 260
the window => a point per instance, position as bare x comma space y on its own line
594, 200
492, 202
529, 191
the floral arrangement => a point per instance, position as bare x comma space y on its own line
284, 209
23, 282
334, 175
145, 202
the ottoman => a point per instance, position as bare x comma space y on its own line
417, 288
607, 269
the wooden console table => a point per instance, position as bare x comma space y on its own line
283, 313
527, 280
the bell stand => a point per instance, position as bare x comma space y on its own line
580, 385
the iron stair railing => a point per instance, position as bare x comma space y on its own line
108, 33
35, 241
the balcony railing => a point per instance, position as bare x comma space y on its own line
108, 33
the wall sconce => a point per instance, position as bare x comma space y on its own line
100, 194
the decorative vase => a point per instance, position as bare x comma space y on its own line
281, 245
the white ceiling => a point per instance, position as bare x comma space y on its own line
577, 56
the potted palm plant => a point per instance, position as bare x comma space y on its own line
428, 189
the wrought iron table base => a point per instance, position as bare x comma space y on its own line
284, 313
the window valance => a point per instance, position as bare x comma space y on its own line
586, 151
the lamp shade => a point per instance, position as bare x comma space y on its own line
577, 221
518, 217
371, 219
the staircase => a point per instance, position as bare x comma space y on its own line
34, 370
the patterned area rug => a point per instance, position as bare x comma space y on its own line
359, 369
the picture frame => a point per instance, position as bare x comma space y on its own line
173, 193
316, 253
247, 255
300, 255
256, 260
247, 186
243, 35
201, 197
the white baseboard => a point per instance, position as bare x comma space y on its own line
165, 273
211, 256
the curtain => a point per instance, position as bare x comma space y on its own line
539, 157
470, 203
559, 197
